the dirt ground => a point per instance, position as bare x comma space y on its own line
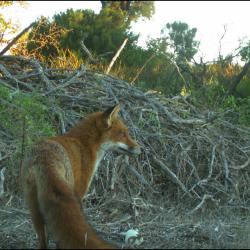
167, 226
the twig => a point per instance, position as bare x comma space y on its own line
7, 85
244, 165
202, 164
139, 176
69, 80
8, 75
2, 178
19, 225
92, 59
142, 68
40, 70
19, 211
211, 163
205, 197
116, 55
172, 175
179, 72
23, 145
223, 35
125, 218
5, 211
226, 169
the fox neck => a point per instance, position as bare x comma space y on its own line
97, 156
93, 148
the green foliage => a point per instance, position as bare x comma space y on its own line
8, 27
160, 71
101, 33
79, 25
182, 41
43, 39
168, 65
25, 117
159, 46
243, 87
245, 51
150, 118
209, 96
131, 9
20, 109
165, 65
241, 106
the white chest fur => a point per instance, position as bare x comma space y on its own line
99, 156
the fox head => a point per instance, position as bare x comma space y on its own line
115, 135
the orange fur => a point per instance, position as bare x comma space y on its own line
57, 173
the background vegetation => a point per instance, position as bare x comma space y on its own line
166, 64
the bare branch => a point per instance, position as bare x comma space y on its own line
116, 55
15, 39
142, 68
92, 59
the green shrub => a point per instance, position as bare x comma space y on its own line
25, 109
241, 106
24, 118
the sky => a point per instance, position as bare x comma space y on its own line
209, 17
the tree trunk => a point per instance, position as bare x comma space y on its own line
236, 79
116, 55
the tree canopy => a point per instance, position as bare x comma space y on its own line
182, 40
101, 33
131, 9
165, 63
7, 26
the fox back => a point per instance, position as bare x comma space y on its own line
58, 171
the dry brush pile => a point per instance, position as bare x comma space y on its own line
189, 154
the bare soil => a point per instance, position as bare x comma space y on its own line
163, 226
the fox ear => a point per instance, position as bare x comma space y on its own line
111, 114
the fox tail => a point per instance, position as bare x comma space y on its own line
62, 213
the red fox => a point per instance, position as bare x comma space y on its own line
57, 173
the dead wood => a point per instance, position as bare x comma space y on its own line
188, 153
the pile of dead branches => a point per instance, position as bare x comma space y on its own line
187, 152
